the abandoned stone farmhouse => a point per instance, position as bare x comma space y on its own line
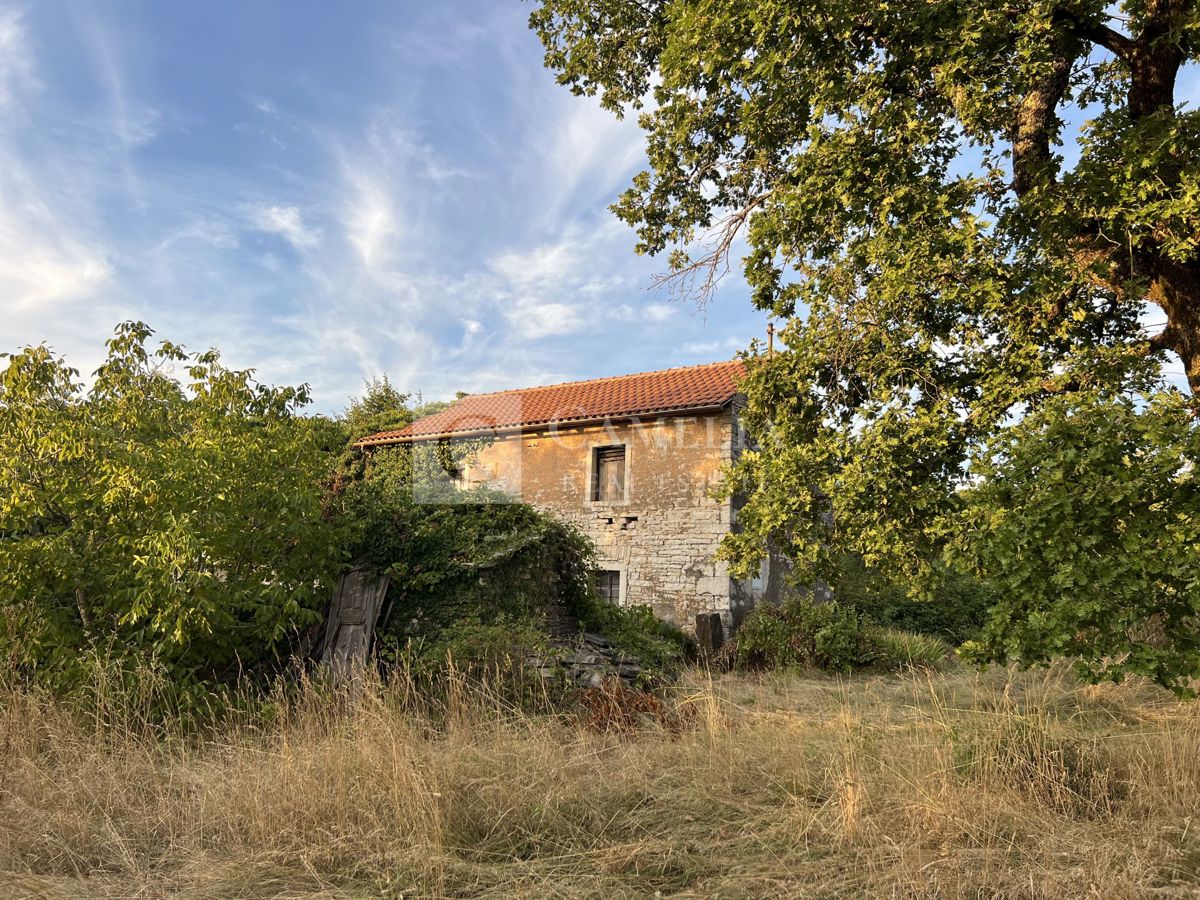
630, 461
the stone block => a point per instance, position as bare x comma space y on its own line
710, 633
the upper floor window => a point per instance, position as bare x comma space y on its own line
608, 474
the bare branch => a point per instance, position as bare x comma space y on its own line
698, 280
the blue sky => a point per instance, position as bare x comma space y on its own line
326, 192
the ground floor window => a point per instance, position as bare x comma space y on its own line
608, 585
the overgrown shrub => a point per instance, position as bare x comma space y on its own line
501, 644
956, 612
155, 520
637, 632
474, 573
459, 568
801, 634
894, 649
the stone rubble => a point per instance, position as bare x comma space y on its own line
585, 660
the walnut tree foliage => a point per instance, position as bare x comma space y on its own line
959, 212
382, 407
169, 515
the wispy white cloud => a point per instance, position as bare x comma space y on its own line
371, 219
132, 124
265, 106
44, 259
447, 222
370, 208
530, 318
16, 68
540, 289
37, 270
566, 286
285, 221
206, 231
51, 272
717, 348
544, 266
589, 157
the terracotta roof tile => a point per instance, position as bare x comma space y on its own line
693, 388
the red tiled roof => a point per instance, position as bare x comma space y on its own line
671, 390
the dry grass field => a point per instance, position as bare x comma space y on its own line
958, 785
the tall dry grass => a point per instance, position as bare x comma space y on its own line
962, 785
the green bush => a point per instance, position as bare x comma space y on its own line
637, 632
472, 571
470, 644
799, 633
455, 554
168, 517
896, 649
454, 567
956, 612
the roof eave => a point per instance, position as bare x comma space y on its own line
539, 426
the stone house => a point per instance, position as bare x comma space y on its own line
631, 462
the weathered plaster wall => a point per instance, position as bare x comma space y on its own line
662, 537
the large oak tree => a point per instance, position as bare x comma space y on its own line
961, 213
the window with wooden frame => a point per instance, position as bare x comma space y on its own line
608, 585
608, 474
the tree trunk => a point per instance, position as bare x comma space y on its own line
1176, 290
1154, 60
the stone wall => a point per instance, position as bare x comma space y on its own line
663, 535
768, 586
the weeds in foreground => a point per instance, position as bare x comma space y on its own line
960, 785
614, 708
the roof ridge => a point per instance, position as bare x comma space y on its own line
558, 384
702, 385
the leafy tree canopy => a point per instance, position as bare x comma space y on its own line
1086, 521
168, 515
381, 408
960, 212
